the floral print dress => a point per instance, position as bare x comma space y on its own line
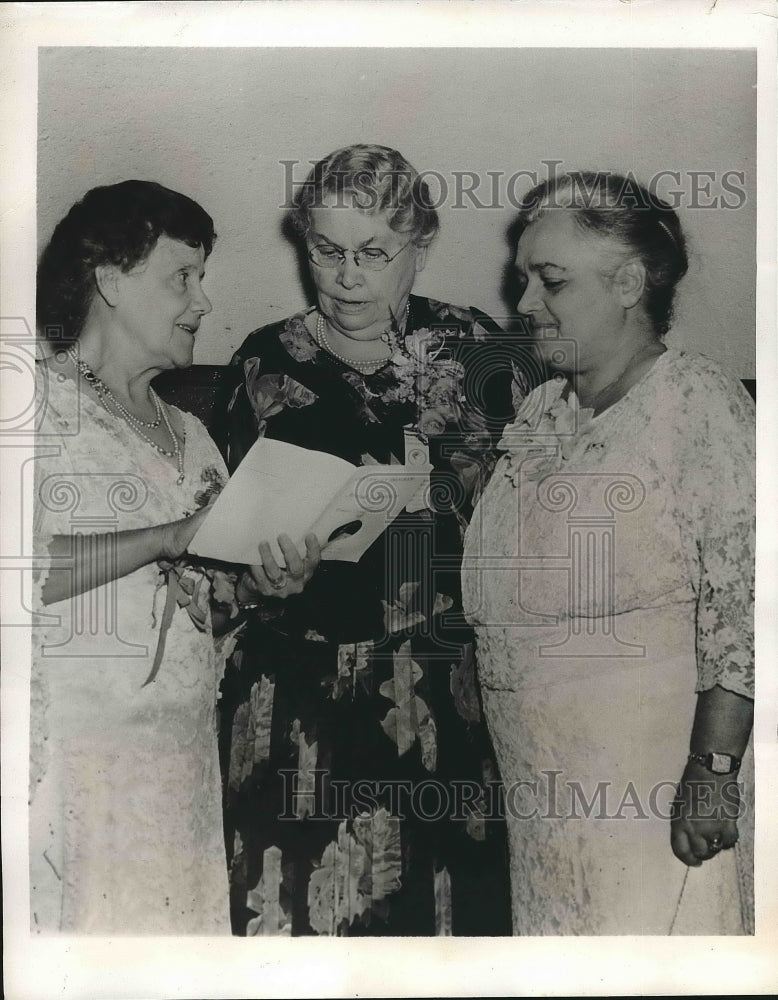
358, 769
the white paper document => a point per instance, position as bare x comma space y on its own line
280, 488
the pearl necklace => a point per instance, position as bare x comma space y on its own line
102, 390
366, 367
133, 422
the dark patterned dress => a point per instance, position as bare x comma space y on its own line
361, 797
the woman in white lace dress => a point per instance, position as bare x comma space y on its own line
609, 573
125, 797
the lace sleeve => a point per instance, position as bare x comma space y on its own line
724, 499
725, 613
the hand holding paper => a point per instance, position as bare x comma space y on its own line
280, 488
268, 579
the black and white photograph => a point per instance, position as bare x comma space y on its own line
387, 394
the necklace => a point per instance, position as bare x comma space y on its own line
102, 390
134, 423
366, 367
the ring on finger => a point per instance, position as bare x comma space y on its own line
278, 583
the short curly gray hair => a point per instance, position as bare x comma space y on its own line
374, 179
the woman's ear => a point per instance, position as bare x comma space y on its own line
421, 258
107, 281
630, 282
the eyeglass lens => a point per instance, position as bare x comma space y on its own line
370, 257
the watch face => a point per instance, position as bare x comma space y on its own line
720, 763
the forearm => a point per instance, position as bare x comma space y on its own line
722, 722
708, 804
82, 562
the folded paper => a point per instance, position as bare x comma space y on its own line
280, 488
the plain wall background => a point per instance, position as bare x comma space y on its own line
216, 124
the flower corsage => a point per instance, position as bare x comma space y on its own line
423, 370
550, 426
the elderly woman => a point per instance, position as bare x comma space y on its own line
125, 815
609, 572
352, 711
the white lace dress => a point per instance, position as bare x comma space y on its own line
125, 795
609, 572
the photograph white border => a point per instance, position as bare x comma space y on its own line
165, 967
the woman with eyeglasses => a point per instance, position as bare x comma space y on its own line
358, 775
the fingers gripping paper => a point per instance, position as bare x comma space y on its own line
280, 488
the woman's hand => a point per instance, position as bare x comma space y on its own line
707, 805
268, 579
705, 815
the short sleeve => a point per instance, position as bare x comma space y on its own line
722, 499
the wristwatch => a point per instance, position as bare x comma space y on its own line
250, 605
717, 763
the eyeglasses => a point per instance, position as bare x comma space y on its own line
371, 258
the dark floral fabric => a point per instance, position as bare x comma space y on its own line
361, 796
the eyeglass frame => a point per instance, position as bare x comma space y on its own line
355, 255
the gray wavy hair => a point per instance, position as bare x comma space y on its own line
374, 179
615, 206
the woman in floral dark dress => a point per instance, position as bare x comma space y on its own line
361, 793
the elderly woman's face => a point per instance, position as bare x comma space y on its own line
160, 303
571, 303
358, 302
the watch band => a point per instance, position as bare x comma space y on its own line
717, 763
252, 603
248, 605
